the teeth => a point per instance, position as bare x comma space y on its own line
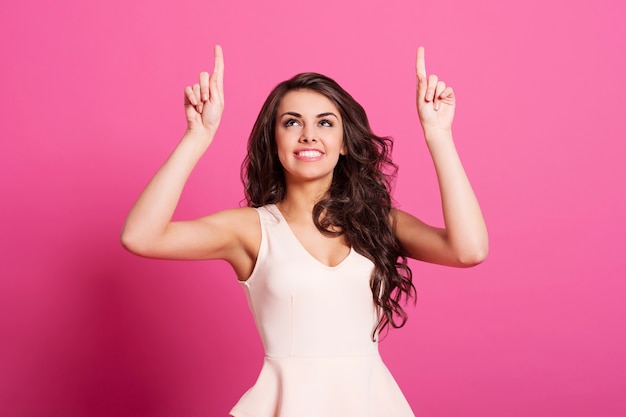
309, 154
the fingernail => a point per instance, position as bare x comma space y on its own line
437, 105
205, 96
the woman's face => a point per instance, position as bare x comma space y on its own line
309, 136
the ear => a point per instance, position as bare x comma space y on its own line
343, 150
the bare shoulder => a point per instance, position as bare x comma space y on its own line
233, 217
242, 224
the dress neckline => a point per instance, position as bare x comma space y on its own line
279, 214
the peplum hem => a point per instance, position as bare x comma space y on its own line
337, 386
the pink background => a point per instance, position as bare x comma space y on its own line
91, 104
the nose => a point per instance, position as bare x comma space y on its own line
308, 135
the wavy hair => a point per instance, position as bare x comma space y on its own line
357, 205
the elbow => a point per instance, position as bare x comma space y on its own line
128, 242
475, 256
133, 244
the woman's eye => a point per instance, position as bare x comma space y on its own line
291, 122
326, 123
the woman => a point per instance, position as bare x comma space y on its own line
320, 251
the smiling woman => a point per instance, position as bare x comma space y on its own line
320, 251
309, 137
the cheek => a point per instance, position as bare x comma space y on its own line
279, 157
342, 149
278, 144
283, 139
281, 150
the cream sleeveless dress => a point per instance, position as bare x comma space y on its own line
315, 323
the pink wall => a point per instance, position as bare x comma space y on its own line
90, 105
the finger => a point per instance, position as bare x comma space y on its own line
420, 65
213, 88
441, 86
196, 92
432, 85
447, 93
190, 97
420, 70
447, 96
204, 85
218, 71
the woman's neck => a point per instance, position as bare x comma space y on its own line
298, 202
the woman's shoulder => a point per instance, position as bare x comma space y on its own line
240, 228
248, 215
236, 217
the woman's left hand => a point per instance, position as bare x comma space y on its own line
435, 100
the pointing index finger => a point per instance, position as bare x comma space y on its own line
420, 66
219, 63
217, 79
218, 58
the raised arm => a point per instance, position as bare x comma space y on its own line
149, 230
463, 241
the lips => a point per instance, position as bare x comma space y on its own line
309, 153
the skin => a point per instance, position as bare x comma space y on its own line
308, 121
234, 235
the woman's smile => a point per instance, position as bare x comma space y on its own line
309, 154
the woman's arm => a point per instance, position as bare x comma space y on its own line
464, 240
149, 230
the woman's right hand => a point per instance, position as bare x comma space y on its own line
204, 101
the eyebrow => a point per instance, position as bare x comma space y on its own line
294, 114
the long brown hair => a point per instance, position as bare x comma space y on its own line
358, 203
